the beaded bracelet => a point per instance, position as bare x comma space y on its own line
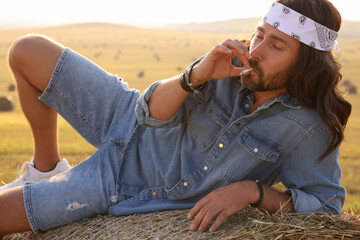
261, 189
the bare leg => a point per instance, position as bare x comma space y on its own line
13, 216
32, 59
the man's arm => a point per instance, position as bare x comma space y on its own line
167, 99
226, 201
168, 95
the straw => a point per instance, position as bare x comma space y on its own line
247, 224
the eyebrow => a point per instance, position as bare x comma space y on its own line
261, 29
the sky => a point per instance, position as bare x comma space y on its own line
144, 13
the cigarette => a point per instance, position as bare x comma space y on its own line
245, 71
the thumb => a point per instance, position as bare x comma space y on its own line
237, 71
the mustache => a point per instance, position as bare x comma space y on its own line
254, 64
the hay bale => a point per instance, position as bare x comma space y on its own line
7, 104
141, 74
12, 87
346, 82
247, 224
349, 87
352, 89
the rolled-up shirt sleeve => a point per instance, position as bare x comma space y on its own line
143, 112
313, 182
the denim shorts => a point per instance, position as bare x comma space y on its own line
101, 107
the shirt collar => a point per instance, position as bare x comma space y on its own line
286, 99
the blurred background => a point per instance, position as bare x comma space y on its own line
145, 41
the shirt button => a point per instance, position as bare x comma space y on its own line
205, 168
185, 184
256, 150
221, 145
247, 105
154, 193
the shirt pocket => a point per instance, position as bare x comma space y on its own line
207, 120
259, 146
252, 156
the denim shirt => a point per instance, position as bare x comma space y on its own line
211, 142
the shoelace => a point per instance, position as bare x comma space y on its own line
22, 170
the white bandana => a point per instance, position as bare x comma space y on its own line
301, 27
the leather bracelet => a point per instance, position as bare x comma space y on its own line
184, 84
185, 81
261, 190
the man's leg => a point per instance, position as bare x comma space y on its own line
13, 216
32, 59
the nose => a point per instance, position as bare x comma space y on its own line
257, 52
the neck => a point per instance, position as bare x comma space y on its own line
262, 97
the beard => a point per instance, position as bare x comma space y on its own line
274, 81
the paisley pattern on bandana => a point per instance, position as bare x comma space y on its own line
326, 37
301, 27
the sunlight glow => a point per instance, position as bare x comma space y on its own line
138, 12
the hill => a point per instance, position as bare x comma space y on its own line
237, 26
246, 25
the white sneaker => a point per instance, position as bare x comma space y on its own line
31, 174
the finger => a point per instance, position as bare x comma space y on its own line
218, 222
240, 48
246, 49
210, 214
241, 51
198, 206
239, 71
222, 49
245, 61
205, 209
198, 219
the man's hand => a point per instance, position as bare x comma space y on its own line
222, 203
217, 62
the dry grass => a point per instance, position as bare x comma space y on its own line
248, 224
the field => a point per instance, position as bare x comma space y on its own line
142, 56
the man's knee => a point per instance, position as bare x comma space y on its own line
21, 48
33, 57
26, 47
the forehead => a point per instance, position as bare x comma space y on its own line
276, 34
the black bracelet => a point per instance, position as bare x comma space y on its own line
184, 85
185, 81
261, 190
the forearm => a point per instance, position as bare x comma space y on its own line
274, 200
225, 201
168, 95
167, 98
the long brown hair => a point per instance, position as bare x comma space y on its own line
318, 73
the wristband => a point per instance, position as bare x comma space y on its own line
185, 82
261, 190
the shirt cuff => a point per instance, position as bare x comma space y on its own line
304, 202
143, 112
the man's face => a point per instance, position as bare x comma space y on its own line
273, 55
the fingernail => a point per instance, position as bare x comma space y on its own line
211, 229
200, 229
189, 216
192, 227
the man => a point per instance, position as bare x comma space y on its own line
207, 140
